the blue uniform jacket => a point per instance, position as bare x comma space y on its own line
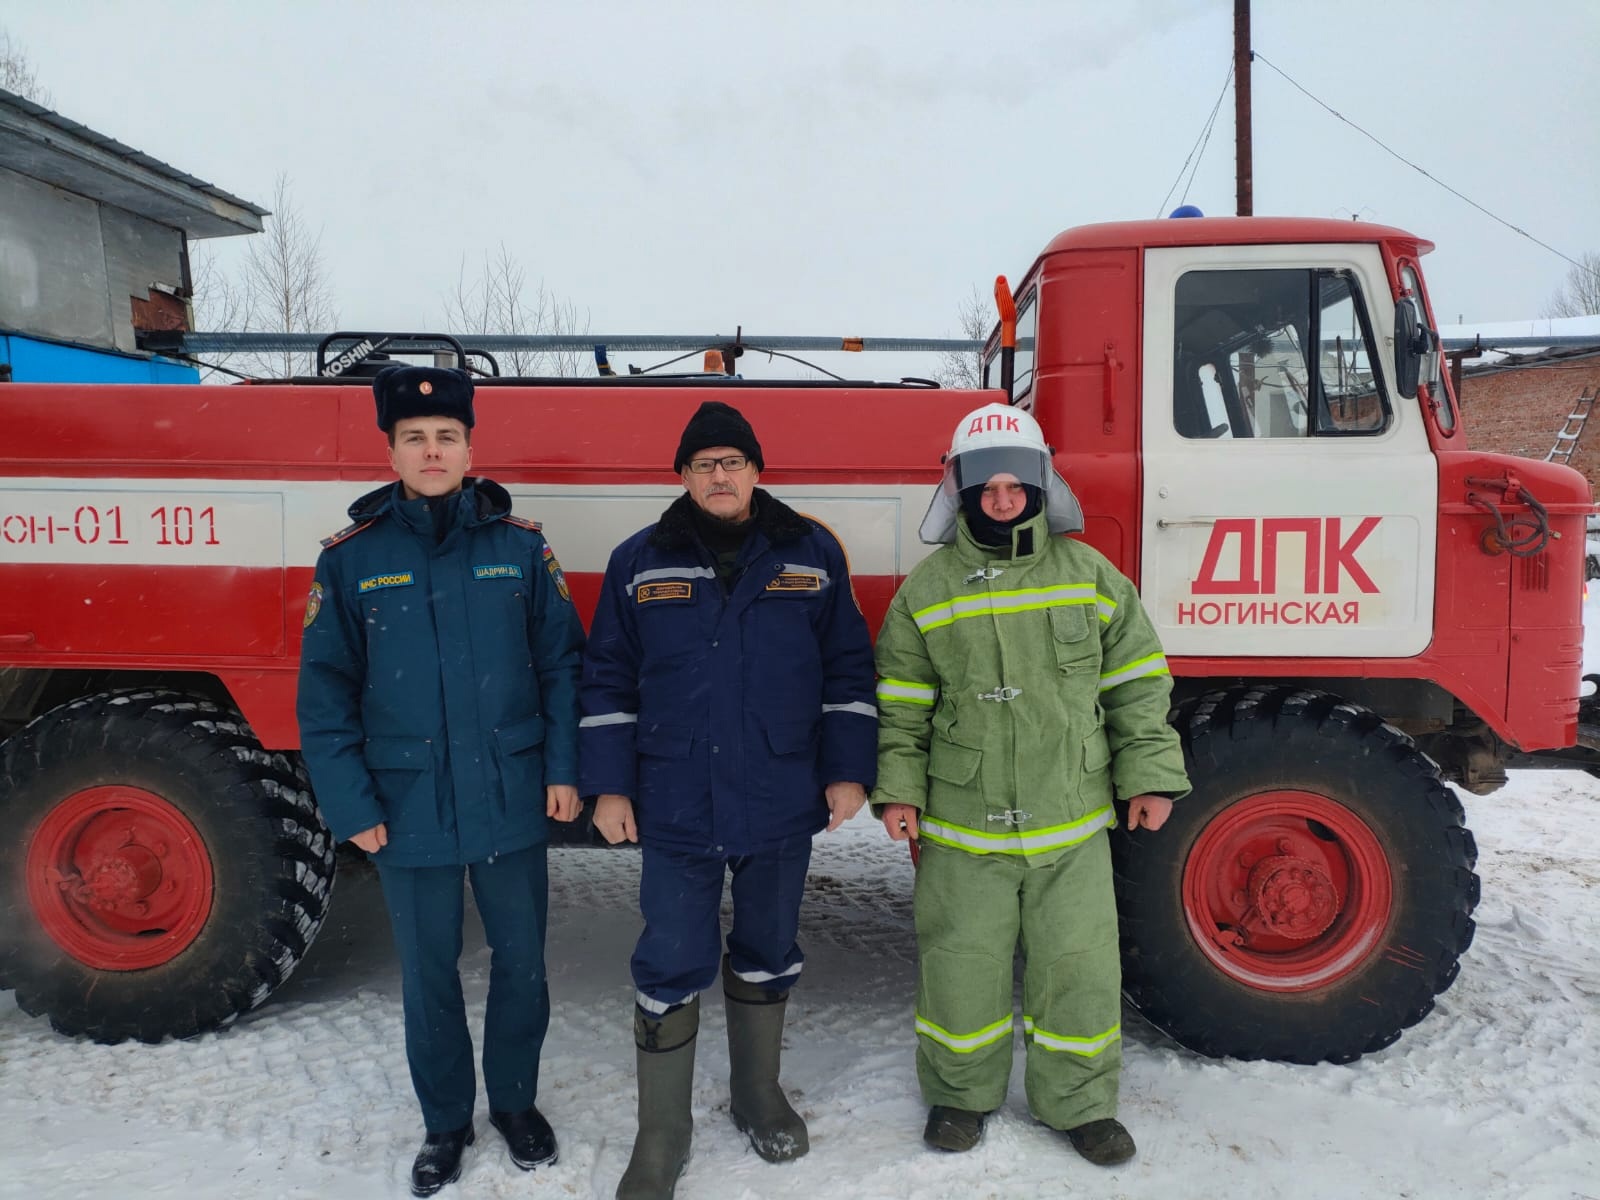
438, 677
723, 717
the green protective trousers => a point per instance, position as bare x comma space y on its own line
972, 912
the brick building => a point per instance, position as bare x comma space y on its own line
1520, 403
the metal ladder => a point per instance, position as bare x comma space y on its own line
1567, 439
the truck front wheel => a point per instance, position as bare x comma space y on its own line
1313, 894
166, 872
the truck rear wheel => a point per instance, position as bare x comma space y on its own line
167, 873
1310, 898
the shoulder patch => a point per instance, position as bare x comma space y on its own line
523, 523
349, 531
557, 576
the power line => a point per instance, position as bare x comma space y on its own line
1199, 144
1256, 55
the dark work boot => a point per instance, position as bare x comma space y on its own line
528, 1136
439, 1160
755, 1045
1105, 1142
953, 1128
666, 1080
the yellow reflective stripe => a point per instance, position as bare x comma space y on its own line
1018, 600
1036, 841
965, 1043
906, 692
1139, 668
1105, 606
1088, 1047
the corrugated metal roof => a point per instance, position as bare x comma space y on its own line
45, 145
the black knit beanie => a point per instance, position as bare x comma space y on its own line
717, 424
998, 533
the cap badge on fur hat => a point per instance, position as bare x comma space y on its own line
403, 391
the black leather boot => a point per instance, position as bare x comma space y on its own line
439, 1160
528, 1136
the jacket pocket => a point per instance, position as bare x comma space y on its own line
523, 735
521, 769
792, 737
1096, 751
663, 741
952, 763
1070, 627
402, 773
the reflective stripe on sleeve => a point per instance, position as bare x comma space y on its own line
966, 1043
1035, 841
1139, 668
612, 718
859, 707
904, 691
1088, 1047
670, 573
946, 612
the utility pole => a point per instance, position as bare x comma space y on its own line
1244, 184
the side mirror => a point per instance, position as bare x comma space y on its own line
1407, 347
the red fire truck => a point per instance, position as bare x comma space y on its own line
1356, 607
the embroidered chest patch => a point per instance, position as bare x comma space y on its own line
398, 579
793, 581
497, 571
675, 589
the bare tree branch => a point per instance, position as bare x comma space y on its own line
1579, 295
283, 287
500, 301
975, 317
221, 305
17, 73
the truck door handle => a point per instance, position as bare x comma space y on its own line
1197, 523
16, 639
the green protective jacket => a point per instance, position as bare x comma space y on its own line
1018, 695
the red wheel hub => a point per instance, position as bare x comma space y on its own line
119, 878
1287, 891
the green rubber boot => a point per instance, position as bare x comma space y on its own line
755, 1045
666, 1080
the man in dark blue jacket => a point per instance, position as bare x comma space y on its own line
438, 718
728, 715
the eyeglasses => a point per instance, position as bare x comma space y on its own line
730, 464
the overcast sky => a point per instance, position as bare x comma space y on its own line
835, 167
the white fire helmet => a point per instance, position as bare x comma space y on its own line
999, 439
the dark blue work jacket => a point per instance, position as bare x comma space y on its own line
723, 717
438, 677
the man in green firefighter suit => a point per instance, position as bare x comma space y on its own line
1021, 689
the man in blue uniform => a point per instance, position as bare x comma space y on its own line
728, 715
438, 718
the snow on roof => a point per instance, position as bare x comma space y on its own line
1487, 331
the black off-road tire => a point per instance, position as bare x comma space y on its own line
247, 894
1319, 798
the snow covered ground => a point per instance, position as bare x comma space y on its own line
1497, 1094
